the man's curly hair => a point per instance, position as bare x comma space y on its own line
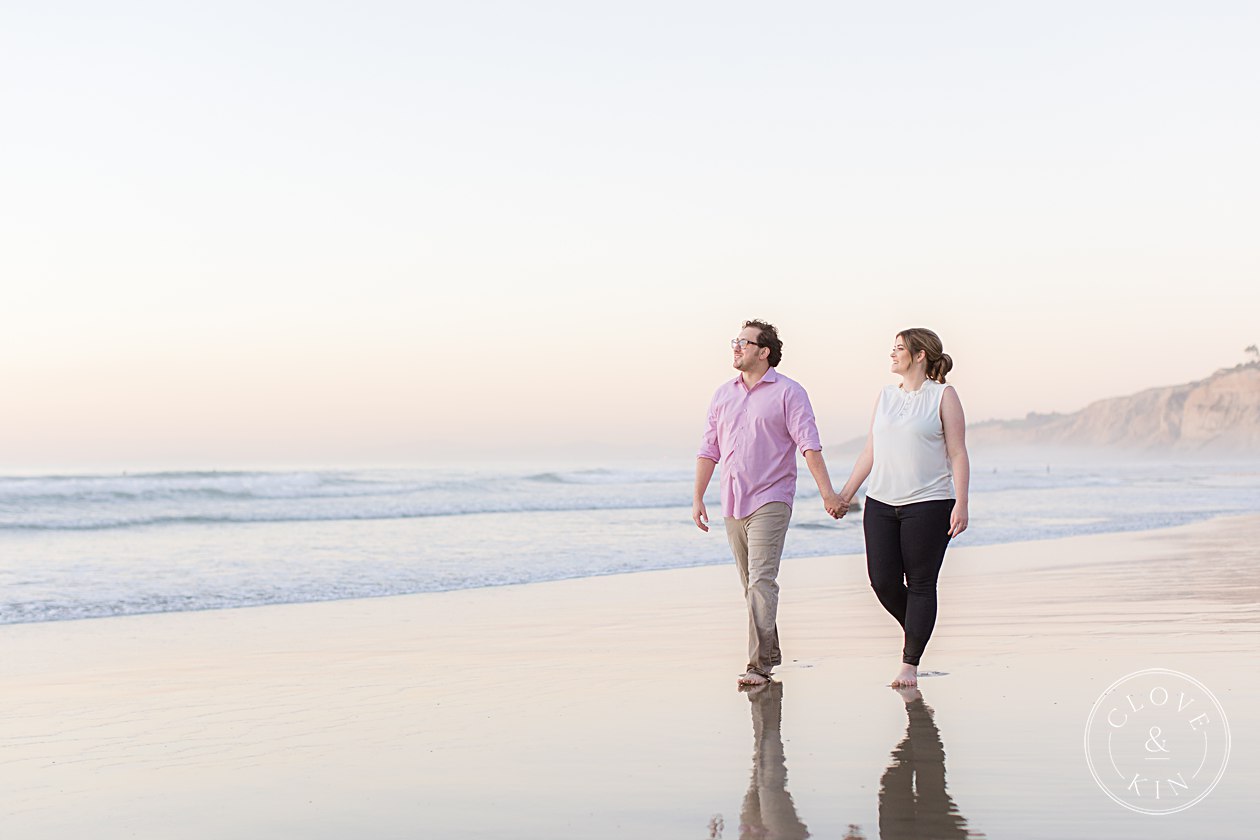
769, 338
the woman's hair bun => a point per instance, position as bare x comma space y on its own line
938, 361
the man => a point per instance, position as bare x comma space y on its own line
757, 422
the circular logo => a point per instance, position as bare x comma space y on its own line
1157, 741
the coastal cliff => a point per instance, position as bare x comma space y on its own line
1216, 415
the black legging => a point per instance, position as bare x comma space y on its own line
904, 549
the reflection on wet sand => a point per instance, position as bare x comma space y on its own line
768, 812
913, 801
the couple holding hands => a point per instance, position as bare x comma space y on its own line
915, 457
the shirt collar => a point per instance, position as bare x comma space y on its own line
771, 376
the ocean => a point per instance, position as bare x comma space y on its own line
88, 546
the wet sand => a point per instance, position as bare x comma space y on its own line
607, 707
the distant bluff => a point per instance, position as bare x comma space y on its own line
1217, 415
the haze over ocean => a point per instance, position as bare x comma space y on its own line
241, 237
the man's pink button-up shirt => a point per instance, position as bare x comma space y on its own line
755, 435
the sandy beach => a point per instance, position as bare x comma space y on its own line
607, 707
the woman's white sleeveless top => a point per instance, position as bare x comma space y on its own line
910, 460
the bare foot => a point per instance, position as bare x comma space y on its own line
907, 677
753, 678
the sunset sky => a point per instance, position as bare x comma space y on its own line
326, 234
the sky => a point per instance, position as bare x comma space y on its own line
276, 234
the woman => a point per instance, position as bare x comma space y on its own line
916, 458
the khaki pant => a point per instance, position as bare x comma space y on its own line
757, 543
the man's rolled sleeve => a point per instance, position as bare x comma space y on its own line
800, 421
709, 447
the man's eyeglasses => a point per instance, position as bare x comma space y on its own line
740, 343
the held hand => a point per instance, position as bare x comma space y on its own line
835, 506
958, 519
699, 515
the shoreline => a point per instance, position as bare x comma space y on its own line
788, 560
264, 538
606, 706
